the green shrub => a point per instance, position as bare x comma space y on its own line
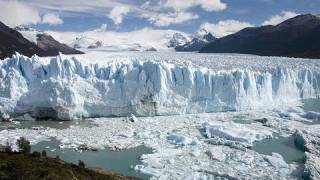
35, 154
81, 164
8, 148
24, 145
44, 153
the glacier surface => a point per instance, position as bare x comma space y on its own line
149, 84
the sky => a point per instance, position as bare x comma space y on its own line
221, 17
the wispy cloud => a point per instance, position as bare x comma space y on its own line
117, 13
15, 13
165, 19
157, 12
207, 5
51, 19
276, 19
226, 27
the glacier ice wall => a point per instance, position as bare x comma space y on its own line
68, 88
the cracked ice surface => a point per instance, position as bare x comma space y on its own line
148, 84
182, 150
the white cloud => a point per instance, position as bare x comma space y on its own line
226, 27
165, 19
277, 19
208, 5
117, 13
158, 12
15, 13
51, 19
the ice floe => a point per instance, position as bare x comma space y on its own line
180, 149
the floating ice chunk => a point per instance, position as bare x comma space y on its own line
195, 151
25, 117
180, 140
234, 132
216, 153
311, 115
276, 160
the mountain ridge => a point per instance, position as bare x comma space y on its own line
295, 37
12, 41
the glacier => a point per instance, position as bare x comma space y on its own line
151, 84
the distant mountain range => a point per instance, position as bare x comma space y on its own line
11, 41
202, 38
295, 37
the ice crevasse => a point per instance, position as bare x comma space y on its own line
67, 88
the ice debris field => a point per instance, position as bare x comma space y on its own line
182, 106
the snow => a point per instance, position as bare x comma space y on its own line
138, 40
148, 84
30, 34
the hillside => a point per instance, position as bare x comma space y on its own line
296, 37
21, 166
12, 41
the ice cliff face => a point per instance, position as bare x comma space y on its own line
67, 88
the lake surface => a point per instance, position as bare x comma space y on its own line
45, 123
121, 162
282, 145
311, 105
117, 161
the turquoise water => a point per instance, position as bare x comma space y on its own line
311, 105
116, 161
50, 124
281, 145
242, 119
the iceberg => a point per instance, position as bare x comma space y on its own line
150, 84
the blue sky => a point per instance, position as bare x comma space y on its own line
129, 15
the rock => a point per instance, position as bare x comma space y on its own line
263, 120
151, 49
310, 142
132, 118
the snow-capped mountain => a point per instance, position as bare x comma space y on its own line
45, 41
202, 38
29, 42
140, 40
178, 39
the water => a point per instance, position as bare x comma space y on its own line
281, 145
242, 119
50, 124
311, 105
117, 161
